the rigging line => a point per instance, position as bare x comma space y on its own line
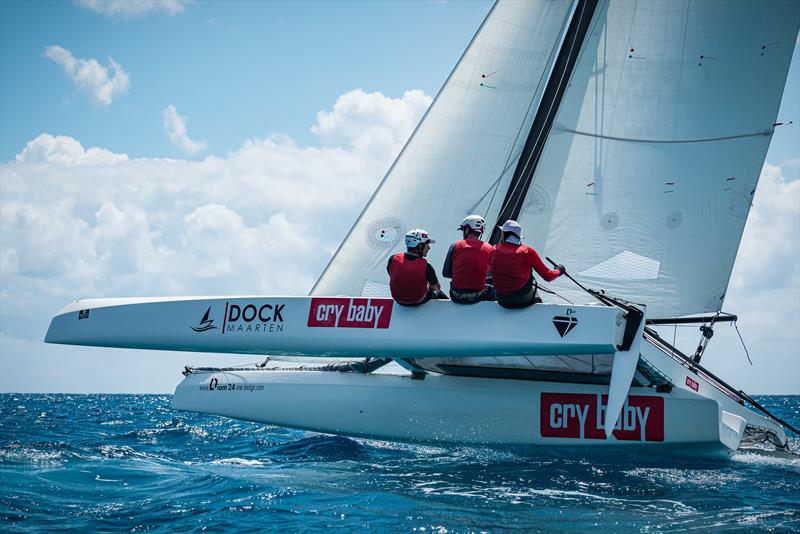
557, 46
549, 110
510, 161
534, 365
566, 363
763, 133
674, 335
494, 185
548, 290
593, 23
746, 352
568, 56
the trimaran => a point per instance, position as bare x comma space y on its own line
627, 137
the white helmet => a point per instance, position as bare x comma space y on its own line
513, 227
473, 222
417, 236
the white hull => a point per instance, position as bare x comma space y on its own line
362, 327
484, 411
456, 409
336, 326
438, 408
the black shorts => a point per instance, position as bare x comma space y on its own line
521, 298
469, 297
431, 294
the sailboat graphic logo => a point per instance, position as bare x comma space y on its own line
206, 323
564, 324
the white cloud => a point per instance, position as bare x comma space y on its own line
80, 222
363, 120
103, 84
66, 151
134, 8
175, 127
769, 255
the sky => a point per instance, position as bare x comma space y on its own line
201, 148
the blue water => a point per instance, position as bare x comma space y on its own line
129, 462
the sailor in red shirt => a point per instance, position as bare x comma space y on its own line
510, 263
467, 263
412, 279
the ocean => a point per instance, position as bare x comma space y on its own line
129, 462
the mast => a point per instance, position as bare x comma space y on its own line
546, 113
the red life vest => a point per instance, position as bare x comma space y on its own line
511, 267
470, 264
407, 280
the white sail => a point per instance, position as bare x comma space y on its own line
462, 156
646, 180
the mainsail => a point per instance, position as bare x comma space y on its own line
641, 181
647, 177
463, 154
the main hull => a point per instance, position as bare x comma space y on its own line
449, 409
688, 409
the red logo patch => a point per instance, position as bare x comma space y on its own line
582, 416
692, 383
337, 312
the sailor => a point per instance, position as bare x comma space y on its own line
467, 263
412, 279
510, 263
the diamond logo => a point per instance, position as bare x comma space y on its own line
564, 324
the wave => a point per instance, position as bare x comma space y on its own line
123, 462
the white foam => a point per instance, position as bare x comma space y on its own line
238, 461
755, 458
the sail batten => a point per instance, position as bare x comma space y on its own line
760, 133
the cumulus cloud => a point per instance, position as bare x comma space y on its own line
769, 256
175, 127
363, 120
103, 84
134, 8
65, 151
265, 218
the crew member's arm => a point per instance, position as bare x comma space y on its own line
389, 265
538, 265
447, 269
430, 275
